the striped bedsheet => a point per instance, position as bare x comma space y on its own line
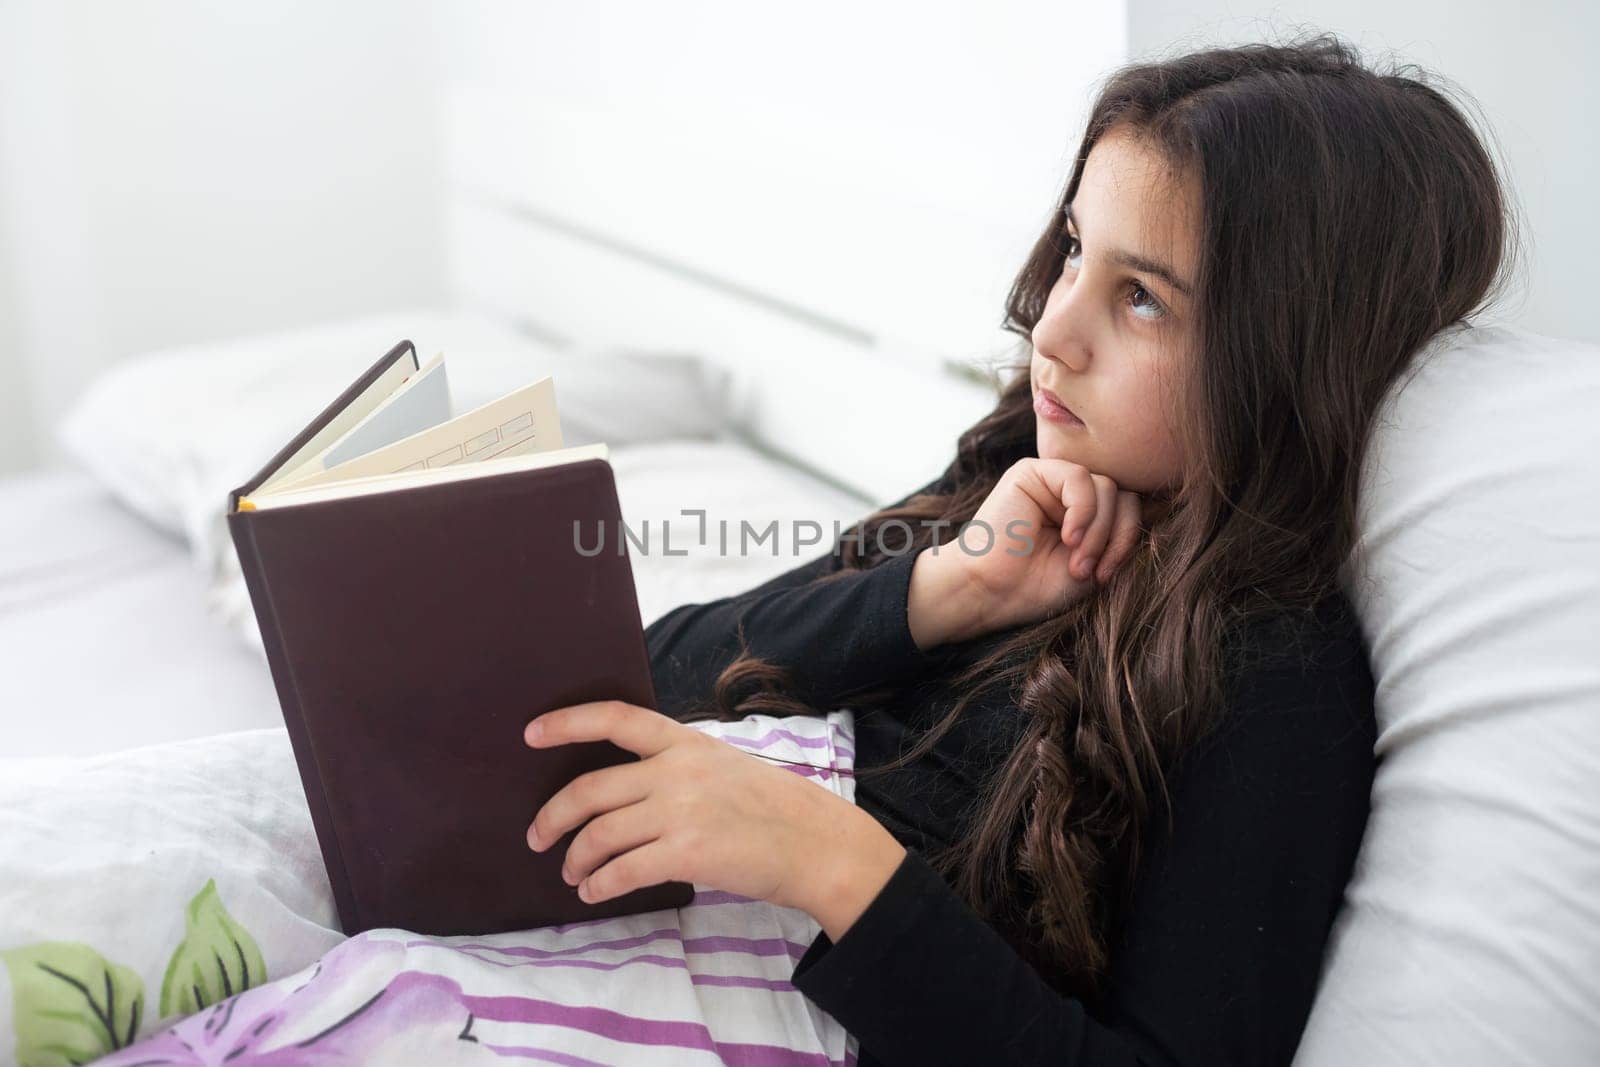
707, 983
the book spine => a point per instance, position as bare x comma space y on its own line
251, 564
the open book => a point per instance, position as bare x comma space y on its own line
425, 585
400, 431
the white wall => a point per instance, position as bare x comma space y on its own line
178, 170
1529, 66
883, 166
18, 448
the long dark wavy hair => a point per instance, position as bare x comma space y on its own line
1347, 216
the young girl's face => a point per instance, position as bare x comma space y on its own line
1118, 324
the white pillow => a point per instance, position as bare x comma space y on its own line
158, 427
1470, 932
170, 433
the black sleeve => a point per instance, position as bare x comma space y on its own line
835, 637
1220, 953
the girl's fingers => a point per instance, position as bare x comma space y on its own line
649, 864
586, 796
1061, 491
642, 731
1125, 535
1077, 500
607, 836
1093, 546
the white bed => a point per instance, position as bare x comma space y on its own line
120, 633
105, 641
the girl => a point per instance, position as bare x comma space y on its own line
1143, 714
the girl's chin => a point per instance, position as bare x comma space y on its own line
1051, 446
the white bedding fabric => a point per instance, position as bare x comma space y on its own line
182, 873
105, 641
1471, 927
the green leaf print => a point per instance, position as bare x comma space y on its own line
71, 1005
217, 958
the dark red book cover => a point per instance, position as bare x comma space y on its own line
411, 635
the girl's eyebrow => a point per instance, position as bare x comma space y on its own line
1138, 262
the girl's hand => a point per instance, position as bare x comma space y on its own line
1081, 528
694, 808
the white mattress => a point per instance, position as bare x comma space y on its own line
107, 640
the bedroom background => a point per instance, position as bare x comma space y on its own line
764, 255
175, 171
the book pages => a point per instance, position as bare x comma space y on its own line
371, 398
422, 401
407, 479
522, 421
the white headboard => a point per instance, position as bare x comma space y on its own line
642, 179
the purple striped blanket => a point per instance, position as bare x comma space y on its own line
707, 983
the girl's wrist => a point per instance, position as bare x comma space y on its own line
853, 871
940, 599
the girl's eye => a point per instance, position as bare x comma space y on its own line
1156, 310
1153, 308
1072, 245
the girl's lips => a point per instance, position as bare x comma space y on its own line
1047, 406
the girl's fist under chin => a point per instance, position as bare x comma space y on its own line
1049, 531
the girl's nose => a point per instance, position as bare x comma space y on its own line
1061, 332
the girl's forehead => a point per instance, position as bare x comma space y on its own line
1132, 208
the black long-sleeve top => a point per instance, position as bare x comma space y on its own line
1218, 957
